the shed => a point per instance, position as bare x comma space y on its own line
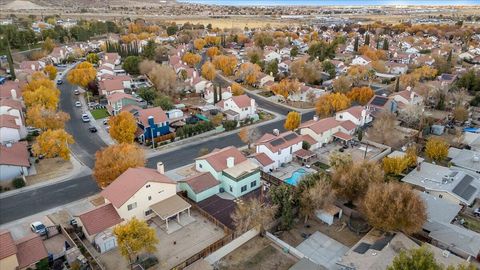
105, 241
437, 129
329, 213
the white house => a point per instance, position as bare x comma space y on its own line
396, 68
264, 79
238, 107
11, 129
407, 97
272, 55
13, 108
110, 86
325, 130
58, 55
14, 161
306, 94
209, 96
279, 148
356, 114
361, 61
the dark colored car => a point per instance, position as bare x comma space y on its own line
92, 129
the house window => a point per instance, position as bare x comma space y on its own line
132, 206
440, 196
244, 188
147, 186
200, 165
231, 189
340, 116
160, 191
253, 184
148, 212
149, 198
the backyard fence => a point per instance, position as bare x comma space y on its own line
271, 179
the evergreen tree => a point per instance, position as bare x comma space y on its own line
367, 39
219, 92
449, 58
385, 45
10, 61
378, 43
355, 45
215, 97
397, 85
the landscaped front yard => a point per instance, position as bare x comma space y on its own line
99, 113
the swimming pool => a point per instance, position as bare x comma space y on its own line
296, 176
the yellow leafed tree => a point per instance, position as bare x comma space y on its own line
44, 119
208, 71
52, 143
436, 148
44, 97
293, 120
199, 43
135, 236
51, 71
361, 94
212, 51
395, 165
114, 160
411, 156
191, 58
226, 64
237, 89
286, 87
249, 73
123, 127
330, 103
36, 80
82, 74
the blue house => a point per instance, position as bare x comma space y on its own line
152, 122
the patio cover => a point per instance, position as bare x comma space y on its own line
170, 207
305, 154
342, 136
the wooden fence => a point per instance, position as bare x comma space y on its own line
271, 179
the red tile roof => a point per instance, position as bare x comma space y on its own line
303, 153
321, 125
6, 89
355, 111
14, 104
242, 101
343, 136
100, 219
159, 116
263, 159
348, 125
201, 182
131, 181
111, 85
218, 158
117, 96
7, 245
309, 139
8, 121
30, 250
16, 155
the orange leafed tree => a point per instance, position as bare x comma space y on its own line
212, 52
191, 58
114, 160
394, 207
53, 143
82, 74
249, 73
226, 64
330, 103
237, 89
199, 43
36, 80
208, 71
44, 97
123, 127
213, 40
286, 87
361, 94
51, 71
44, 119
293, 121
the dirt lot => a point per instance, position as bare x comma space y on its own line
48, 169
338, 231
258, 253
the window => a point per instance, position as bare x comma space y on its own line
161, 191
440, 196
149, 198
132, 206
148, 212
244, 188
253, 184
147, 186
200, 165
231, 189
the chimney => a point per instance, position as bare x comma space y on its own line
230, 162
13, 93
276, 132
150, 121
315, 118
160, 168
194, 74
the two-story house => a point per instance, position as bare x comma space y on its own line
325, 130
361, 60
406, 97
110, 86
356, 114
118, 102
153, 122
238, 107
279, 147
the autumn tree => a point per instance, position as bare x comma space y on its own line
123, 127
394, 207
293, 120
208, 71
53, 143
93, 58
39, 117
48, 45
361, 94
237, 89
330, 103
191, 59
226, 64
212, 52
164, 78
199, 43
436, 148
307, 71
315, 198
253, 214
135, 236
351, 182
249, 73
249, 135
357, 73
342, 84
36, 80
114, 160
255, 55
285, 88
383, 129
47, 98
395, 165
51, 71
82, 74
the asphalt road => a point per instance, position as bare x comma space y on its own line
35, 201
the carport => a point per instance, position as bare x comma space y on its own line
343, 136
304, 155
171, 207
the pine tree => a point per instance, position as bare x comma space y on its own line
355, 45
367, 39
378, 43
449, 58
397, 85
385, 45
215, 97
10, 61
219, 92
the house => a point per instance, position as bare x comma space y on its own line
238, 107
8, 251
111, 58
358, 115
200, 186
263, 79
14, 160
340, 66
466, 56
11, 129
407, 97
237, 174
262, 160
32, 65
108, 87
447, 79
21, 254
100, 222
153, 122
280, 148
396, 68
119, 101
11, 90
306, 94
454, 184
12, 107
105, 70
466, 159
58, 55
361, 60
126, 79
379, 104
326, 130
272, 55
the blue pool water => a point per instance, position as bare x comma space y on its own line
296, 176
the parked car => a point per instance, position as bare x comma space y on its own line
76, 92
78, 104
59, 82
476, 212
92, 129
38, 228
105, 121
85, 118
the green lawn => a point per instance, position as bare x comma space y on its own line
100, 113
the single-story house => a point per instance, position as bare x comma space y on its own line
200, 186
14, 160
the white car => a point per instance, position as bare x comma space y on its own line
38, 227
85, 118
78, 104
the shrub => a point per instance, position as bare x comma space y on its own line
18, 183
230, 124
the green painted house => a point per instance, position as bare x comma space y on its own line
200, 186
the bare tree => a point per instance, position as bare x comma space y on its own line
253, 214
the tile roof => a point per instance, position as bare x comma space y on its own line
218, 158
131, 181
355, 111
17, 155
282, 141
242, 101
100, 219
111, 85
343, 136
7, 245
321, 125
201, 182
30, 250
159, 116
6, 88
348, 125
262, 158
8, 121
117, 96
14, 104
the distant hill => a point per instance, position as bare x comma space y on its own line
42, 4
